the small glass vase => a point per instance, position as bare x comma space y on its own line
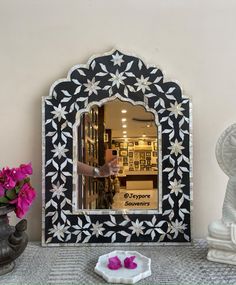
13, 240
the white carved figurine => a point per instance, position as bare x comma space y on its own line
222, 233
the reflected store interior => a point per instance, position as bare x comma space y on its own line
131, 132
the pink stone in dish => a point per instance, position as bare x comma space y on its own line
129, 262
114, 263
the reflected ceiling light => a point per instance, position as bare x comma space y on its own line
124, 126
123, 119
144, 136
124, 132
148, 125
124, 136
123, 111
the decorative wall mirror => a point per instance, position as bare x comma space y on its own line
150, 199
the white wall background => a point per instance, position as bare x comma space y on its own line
194, 42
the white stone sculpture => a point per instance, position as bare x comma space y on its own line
222, 233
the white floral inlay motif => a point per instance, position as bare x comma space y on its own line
137, 227
58, 190
97, 229
117, 79
59, 231
59, 112
143, 84
177, 227
176, 147
176, 109
92, 86
60, 150
176, 187
117, 59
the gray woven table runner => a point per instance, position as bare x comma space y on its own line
75, 265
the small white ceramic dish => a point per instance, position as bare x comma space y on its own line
124, 275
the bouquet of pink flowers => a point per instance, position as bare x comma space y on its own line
15, 188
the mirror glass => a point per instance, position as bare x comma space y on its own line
130, 132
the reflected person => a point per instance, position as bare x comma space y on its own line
109, 168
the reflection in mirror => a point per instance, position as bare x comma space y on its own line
131, 132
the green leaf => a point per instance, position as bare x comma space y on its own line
21, 183
17, 188
11, 194
4, 200
27, 180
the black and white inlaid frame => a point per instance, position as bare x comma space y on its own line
107, 77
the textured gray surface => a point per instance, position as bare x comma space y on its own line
75, 265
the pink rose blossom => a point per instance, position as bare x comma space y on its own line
114, 263
129, 263
25, 198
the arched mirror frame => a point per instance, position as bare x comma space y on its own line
111, 75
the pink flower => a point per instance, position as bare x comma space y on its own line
26, 169
17, 175
25, 198
114, 263
128, 262
7, 179
22, 172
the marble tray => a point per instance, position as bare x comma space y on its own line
124, 275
